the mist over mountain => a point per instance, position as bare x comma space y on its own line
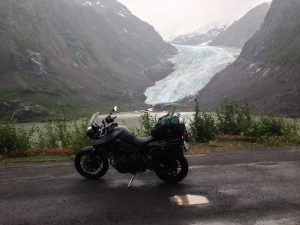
267, 73
227, 33
242, 30
73, 53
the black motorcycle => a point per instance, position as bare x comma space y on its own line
117, 145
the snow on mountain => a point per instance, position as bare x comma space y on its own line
219, 24
99, 3
204, 34
86, 3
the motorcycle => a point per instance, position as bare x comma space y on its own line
116, 145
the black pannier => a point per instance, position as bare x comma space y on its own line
166, 149
169, 126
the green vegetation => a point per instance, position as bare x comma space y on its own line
231, 126
60, 133
57, 133
147, 123
203, 127
233, 120
14, 141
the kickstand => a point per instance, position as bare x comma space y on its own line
130, 182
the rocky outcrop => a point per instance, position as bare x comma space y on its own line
159, 71
22, 112
28, 113
31, 63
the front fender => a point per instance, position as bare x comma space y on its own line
88, 149
92, 149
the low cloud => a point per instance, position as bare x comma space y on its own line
173, 17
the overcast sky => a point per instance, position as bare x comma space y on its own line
173, 17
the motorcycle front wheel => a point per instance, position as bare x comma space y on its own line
91, 165
172, 170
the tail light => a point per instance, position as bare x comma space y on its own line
185, 136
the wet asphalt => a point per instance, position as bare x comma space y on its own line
251, 187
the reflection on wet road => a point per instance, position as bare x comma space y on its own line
249, 187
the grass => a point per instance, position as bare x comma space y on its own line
213, 146
194, 149
34, 159
229, 146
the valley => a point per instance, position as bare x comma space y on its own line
53, 61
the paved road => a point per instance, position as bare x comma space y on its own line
257, 187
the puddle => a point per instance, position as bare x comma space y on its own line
186, 200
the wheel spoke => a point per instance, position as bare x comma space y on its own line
91, 164
173, 171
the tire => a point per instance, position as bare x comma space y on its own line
91, 165
168, 170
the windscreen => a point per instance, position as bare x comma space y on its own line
93, 119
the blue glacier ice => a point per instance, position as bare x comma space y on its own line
194, 67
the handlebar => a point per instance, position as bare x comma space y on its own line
108, 120
96, 129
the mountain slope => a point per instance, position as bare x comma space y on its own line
242, 30
197, 38
267, 73
72, 53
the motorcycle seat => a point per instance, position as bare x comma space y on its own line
142, 142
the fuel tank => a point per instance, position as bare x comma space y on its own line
119, 132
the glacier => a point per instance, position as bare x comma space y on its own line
194, 67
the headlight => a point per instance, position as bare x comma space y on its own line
181, 119
89, 132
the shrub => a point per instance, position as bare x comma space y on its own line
147, 123
54, 134
14, 141
202, 127
47, 136
79, 139
233, 119
274, 130
60, 133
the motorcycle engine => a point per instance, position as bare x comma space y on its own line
125, 162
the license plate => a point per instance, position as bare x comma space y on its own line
186, 145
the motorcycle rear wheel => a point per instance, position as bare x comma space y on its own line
173, 170
91, 165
